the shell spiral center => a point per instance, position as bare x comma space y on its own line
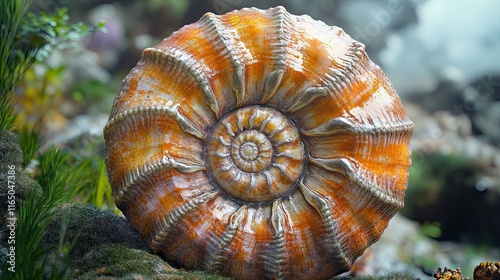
255, 154
251, 151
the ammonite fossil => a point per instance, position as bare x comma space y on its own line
258, 144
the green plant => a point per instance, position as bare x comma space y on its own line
89, 182
15, 58
30, 140
44, 85
7, 113
36, 212
46, 32
103, 195
27, 38
64, 178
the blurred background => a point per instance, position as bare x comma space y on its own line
443, 57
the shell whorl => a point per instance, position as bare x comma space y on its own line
258, 144
255, 154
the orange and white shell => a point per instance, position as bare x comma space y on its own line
258, 144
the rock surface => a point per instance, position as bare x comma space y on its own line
11, 154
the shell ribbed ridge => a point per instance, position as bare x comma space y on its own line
283, 28
343, 125
182, 62
323, 207
307, 97
220, 244
129, 118
339, 78
360, 177
163, 226
271, 84
134, 178
278, 45
274, 257
227, 41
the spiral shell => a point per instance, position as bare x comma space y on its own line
258, 144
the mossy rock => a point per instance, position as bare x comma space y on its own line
11, 154
10, 149
118, 261
89, 228
386, 276
107, 247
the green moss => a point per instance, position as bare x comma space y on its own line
34, 214
193, 275
386, 276
92, 228
11, 154
119, 261
10, 149
30, 140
